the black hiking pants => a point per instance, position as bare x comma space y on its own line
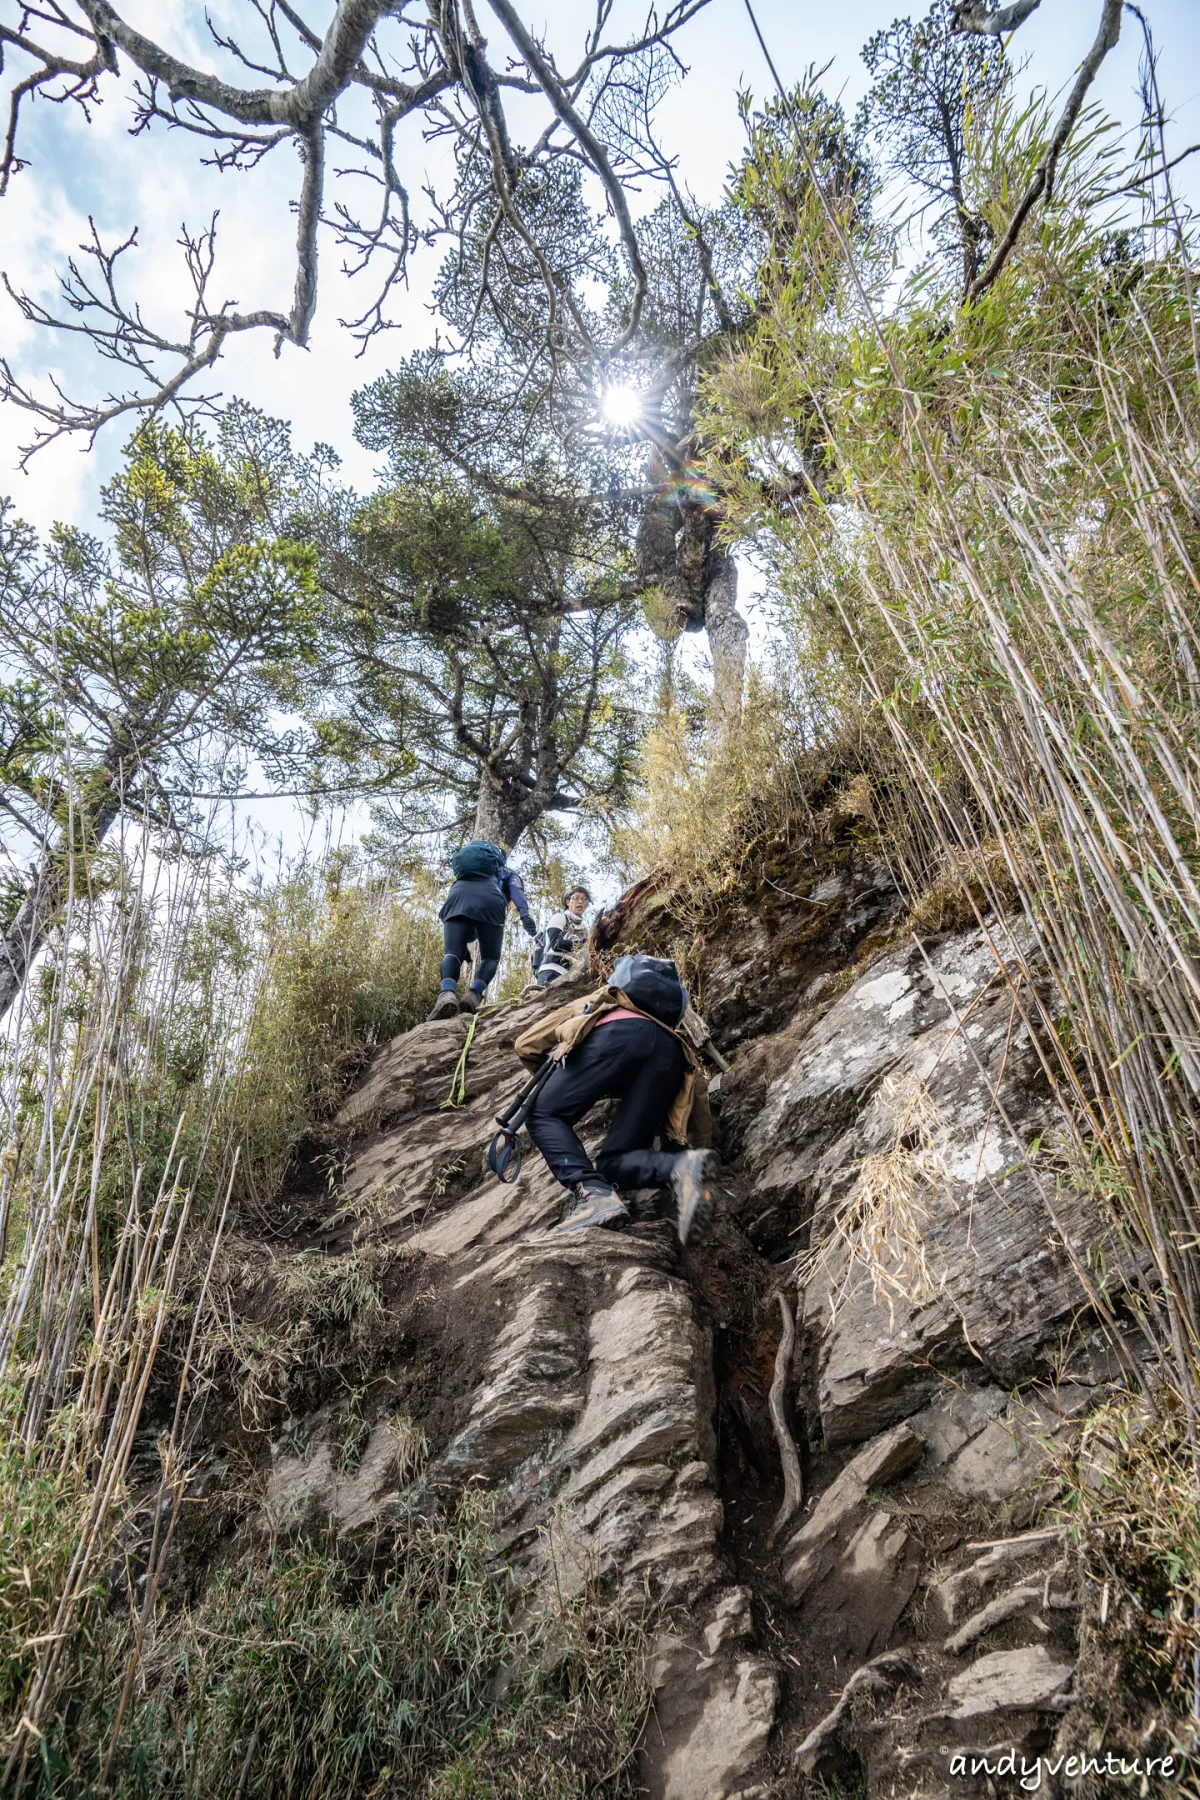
633, 1061
457, 935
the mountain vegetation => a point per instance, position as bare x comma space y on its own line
932, 370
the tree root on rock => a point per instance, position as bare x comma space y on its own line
1005, 1606
879, 1676
793, 1481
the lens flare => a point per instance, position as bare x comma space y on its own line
621, 405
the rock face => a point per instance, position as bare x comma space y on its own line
610, 1391
853, 1561
927, 1048
712, 1721
590, 1413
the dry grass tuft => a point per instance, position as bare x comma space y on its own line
881, 1227
1131, 1502
964, 886
703, 808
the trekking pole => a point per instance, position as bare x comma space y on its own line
505, 1152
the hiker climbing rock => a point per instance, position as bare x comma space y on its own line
637, 1041
473, 912
556, 944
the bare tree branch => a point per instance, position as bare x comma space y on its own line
1043, 180
594, 151
437, 68
341, 49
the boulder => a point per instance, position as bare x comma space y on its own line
955, 1419
312, 1487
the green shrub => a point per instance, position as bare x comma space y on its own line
343, 966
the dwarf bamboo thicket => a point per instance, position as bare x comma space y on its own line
997, 577
178, 1041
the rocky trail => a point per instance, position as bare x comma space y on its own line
611, 1392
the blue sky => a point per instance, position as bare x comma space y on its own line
154, 182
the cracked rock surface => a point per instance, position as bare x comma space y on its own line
610, 1391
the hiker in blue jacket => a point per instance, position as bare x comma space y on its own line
474, 912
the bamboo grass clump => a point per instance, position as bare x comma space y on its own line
180, 1037
1004, 562
95, 1253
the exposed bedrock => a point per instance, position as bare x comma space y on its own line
923, 1072
577, 1379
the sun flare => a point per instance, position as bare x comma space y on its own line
621, 405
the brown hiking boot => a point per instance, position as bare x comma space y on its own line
691, 1184
595, 1206
445, 1006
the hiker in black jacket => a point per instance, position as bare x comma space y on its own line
473, 912
628, 1042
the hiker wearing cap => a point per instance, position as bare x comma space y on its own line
637, 1041
556, 944
473, 912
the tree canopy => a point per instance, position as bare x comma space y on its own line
350, 89
145, 667
478, 674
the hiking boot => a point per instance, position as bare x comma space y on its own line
446, 1005
691, 1185
470, 1002
594, 1206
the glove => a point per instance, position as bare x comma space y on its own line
529, 926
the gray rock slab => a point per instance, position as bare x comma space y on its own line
710, 1724
1001, 1285
1013, 1450
955, 1418
1007, 1681
852, 1563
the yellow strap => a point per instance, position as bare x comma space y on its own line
458, 1084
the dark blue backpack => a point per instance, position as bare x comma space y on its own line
654, 987
478, 858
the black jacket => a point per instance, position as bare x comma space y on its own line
484, 898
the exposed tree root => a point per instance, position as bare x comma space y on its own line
879, 1676
793, 1481
1005, 1606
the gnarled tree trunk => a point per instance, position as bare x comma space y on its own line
495, 814
95, 804
678, 550
728, 637
48, 889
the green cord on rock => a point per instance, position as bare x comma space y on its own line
458, 1081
